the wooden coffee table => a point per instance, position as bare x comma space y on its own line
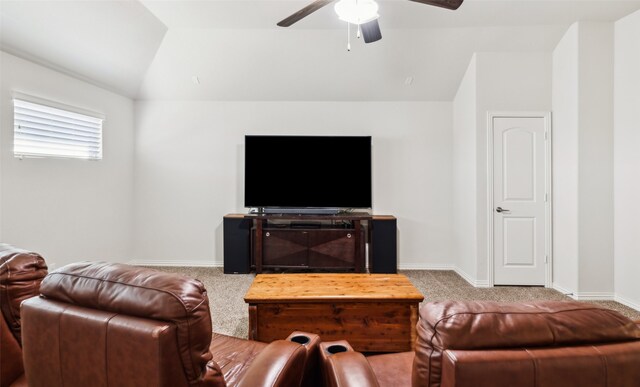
374, 312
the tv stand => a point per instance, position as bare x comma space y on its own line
305, 241
310, 242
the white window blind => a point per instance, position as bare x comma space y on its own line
41, 130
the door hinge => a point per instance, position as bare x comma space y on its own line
546, 197
546, 135
546, 259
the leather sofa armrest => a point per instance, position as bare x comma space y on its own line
311, 343
21, 272
349, 369
279, 364
344, 367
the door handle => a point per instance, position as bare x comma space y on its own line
500, 209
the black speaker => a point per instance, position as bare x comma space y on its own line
383, 249
237, 244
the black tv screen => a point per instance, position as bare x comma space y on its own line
307, 171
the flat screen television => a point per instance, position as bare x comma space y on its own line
307, 173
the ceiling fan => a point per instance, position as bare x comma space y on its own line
363, 13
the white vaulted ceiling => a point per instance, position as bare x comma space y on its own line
153, 49
264, 14
109, 43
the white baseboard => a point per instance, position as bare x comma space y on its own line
446, 266
474, 282
421, 266
627, 302
598, 296
585, 296
562, 290
465, 276
175, 262
482, 284
594, 296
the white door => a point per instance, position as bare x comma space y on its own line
519, 200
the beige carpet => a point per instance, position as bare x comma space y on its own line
229, 312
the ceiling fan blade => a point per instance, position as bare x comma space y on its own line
448, 4
371, 31
306, 11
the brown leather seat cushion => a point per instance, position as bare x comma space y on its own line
234, 355
20, 274
392, 369
141, 292
484, 325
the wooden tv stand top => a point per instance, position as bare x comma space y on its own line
327, 287
345, 216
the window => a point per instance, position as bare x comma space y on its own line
45, 131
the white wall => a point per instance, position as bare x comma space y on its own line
67, 210
189, 170
627, 160
464, 248
515, 81
565, 162
583, 161
494, 82
312, 64
595, 158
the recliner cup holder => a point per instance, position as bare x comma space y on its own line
300, 339
336, 348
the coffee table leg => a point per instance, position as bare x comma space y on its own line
253, 322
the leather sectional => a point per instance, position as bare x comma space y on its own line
537, 344
104, 324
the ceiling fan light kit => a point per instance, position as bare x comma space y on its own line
363, 13
357, 11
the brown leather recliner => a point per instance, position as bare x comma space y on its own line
542, 344
20, 274
101, 324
